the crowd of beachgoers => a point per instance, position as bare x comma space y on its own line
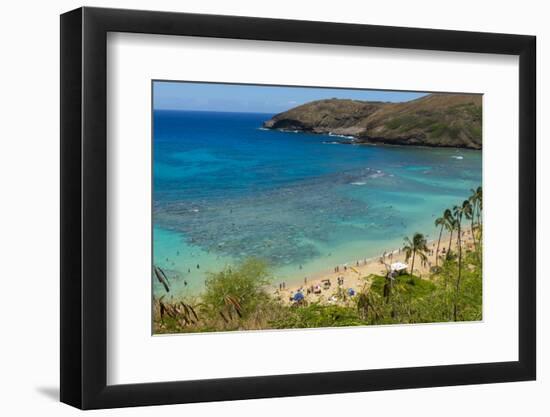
324, 287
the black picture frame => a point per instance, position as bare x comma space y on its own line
84, 207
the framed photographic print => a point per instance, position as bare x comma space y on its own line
257, 208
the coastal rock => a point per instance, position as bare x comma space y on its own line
444, 120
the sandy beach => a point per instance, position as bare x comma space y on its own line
352, 273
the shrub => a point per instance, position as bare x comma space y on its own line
237, 290
318, 315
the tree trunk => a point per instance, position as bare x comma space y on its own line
450, 241
455, 312
473, 235
438, 242
412, 266
387, 289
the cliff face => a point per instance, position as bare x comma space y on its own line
447, 120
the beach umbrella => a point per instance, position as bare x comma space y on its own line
298, 296
351, 292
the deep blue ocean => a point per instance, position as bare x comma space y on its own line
225, 189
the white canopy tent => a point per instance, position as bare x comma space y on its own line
398, 267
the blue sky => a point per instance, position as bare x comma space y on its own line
255, 98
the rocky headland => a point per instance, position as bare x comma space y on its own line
438, 120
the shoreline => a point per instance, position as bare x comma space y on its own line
354, 272
372, 141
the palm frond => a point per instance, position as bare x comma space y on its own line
161, 277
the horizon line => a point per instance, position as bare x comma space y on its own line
298, 105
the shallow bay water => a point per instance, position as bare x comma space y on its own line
226, 190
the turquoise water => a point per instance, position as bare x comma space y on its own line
226, 190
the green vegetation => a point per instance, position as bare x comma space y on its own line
418, 245
474, 131
435, 126
402, 122
233, 299
238, 298
238, 291
318, 315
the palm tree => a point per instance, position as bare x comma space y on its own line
479, 199
388, 283
479, 194
440, 221
477, 202
458, 212
418, 245
468, 212
450, 225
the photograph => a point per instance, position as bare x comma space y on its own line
292, 207
244, 208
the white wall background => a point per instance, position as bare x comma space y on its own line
29, 236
